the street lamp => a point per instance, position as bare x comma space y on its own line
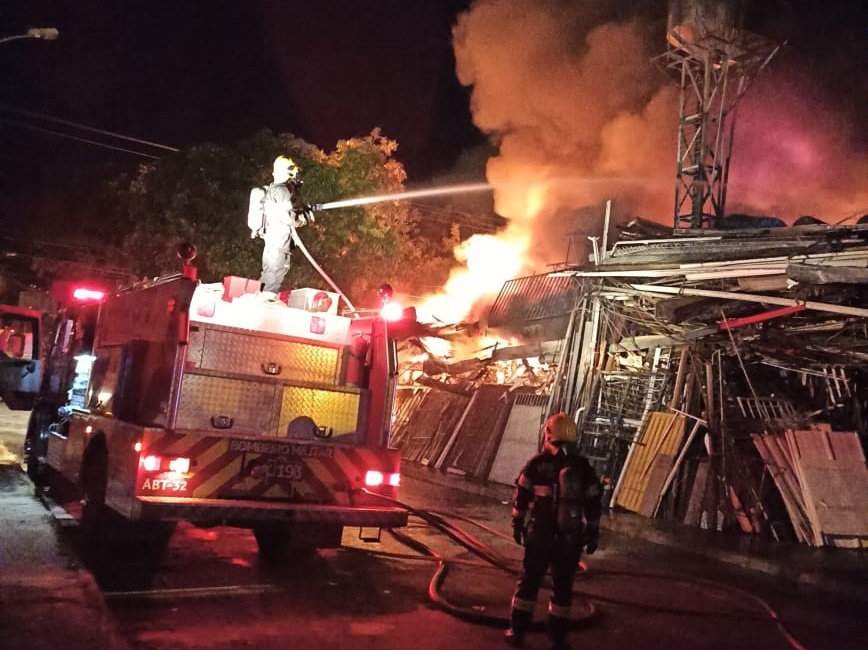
45, 33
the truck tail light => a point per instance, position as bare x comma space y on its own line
175, 465
373, 478
179, 465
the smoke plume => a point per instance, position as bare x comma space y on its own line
568, 91
579, 114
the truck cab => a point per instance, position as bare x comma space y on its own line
20, 358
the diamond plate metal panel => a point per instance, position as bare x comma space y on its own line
337, 410
250, 404
244, 353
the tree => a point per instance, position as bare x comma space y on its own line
200, 195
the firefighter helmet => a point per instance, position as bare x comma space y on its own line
560, 428
285, 165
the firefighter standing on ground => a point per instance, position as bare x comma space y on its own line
562, 492
280, 221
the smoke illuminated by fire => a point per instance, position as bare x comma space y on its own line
580, 115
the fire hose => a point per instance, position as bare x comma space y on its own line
439, 521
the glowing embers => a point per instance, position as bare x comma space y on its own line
374, 478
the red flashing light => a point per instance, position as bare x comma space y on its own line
392, 311
84, 294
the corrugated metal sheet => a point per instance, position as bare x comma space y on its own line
472, 449
533, 298
661, 434
520, 438
429, 427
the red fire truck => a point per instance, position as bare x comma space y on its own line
182, 401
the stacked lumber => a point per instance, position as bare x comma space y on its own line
823, 480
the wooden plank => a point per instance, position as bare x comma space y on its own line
799, 448
659, 472
834, 482
694, 502
788, 487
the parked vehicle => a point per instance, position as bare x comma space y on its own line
178, 400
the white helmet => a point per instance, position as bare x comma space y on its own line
285, 165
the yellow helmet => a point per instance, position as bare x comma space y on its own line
284, 164
560, 428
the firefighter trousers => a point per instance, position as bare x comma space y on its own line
275, 263
563, 558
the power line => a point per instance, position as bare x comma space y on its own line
73, 137
84, 127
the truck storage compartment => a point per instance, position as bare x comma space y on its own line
209, 403
241, 352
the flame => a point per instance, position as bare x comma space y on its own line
564, 91
485, 262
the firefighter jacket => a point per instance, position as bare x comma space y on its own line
563, 494
279, 212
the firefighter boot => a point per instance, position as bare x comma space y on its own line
519, 622
558, 628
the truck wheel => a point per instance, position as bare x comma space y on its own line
94, 478
35, 445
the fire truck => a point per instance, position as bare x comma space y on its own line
183, 401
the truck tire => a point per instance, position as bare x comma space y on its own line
36, 444
95, 526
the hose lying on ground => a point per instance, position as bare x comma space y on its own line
440, 521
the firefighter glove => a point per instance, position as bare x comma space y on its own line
518, 531
592, 539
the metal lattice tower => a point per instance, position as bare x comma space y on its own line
714, 60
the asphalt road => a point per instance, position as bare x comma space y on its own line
13, 424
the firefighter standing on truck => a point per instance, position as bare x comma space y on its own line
562, 492
279, 221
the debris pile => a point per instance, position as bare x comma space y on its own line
694, 365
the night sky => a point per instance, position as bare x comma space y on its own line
178, 72
181, 72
